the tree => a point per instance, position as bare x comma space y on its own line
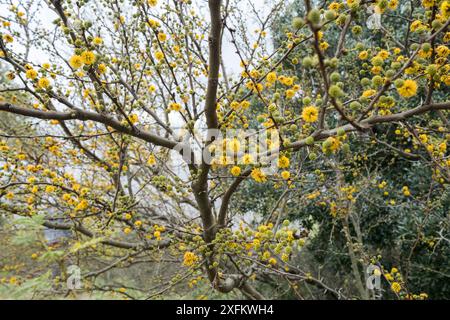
120, 92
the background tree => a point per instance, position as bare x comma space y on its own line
115, 89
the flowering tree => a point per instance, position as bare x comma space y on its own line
114, 91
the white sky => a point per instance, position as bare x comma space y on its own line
230, 57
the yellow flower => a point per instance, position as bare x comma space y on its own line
334, 6
393, 4
331, 144
127, 230
283, 162
290, 93
285, 175
310, 114
383, 54
175, 106
235, 105
235, 171
352, 2
427, 3
416, 25
247, 159
151, 160
189, 258
368, 93
50, 189
31, 74
152, 2
244, 104
159, 55
445, 9
101, 68
396, 287
97, 41
82, 205
287, 81
442, 51
406, 191
153, 23
43, 83
408, 89
8, 38
162, 36
234, 145
363, 55
271, 77
258, 175
133, 118
10, 76
76, 62
88, 57
324, 45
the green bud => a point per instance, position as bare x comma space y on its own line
359, 46
345, 148
330, 14
335, 91
335, 77
333, 62
356, 30
312, 156
377, 81
396, 65
355, 105
377, 61
414, 46
426, 47
306, 101
390, 73
314, 16
436, 24
365, 82
298, 23
398, 83
309, 141
272, 107
327, 143
307, 62
431, 69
